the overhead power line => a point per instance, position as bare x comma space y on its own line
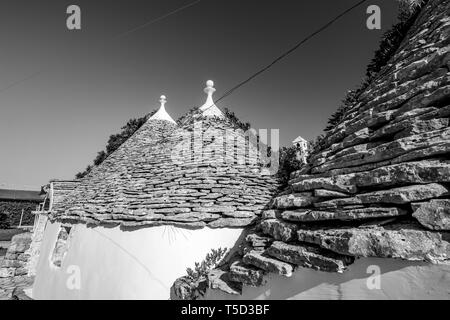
157, 19
32, 75
285, 54
120, 35
257, 73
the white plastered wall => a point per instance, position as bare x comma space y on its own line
109, 263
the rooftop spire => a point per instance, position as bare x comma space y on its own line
163, 101
162, 114
209, 108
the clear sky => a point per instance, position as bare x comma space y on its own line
62, 93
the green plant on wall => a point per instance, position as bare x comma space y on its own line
4, 221
211, 261
288, 163
11, 213
389, 44
115, 141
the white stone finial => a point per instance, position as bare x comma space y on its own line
210, 87
163, 100
209, 108
209, 90
162, 114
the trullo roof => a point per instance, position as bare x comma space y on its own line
197, 174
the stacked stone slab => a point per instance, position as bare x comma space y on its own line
202, 173
379, 184
16, 257
13, 268
60, 189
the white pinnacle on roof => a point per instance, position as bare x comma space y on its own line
162, 114
209, 109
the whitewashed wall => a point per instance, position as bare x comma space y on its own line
116, 264
36, 240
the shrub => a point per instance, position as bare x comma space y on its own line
245, 126
115, 141
349, 100
408, 6
11, 211
390, 42
392, 38
4, 221
287, 163
315, 145
211, 261
194, 113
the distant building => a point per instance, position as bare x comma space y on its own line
16, 206
302, 149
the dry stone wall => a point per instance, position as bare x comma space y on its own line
35, 245
13, 268
16, 257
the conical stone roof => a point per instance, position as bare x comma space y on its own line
192, 175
